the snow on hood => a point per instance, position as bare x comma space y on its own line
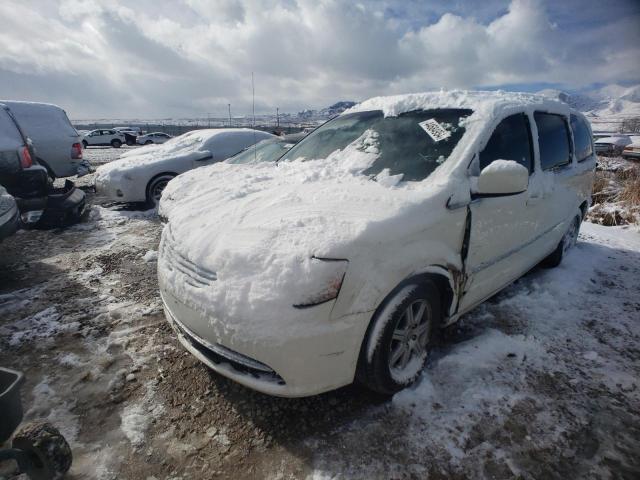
258, 226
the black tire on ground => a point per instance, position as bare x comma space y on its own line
155, 188
50, 452
85, 144
148, 142
567, 242
131, 143
377, 365
115, 143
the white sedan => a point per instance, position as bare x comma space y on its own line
155, 137
378, 229
140, 175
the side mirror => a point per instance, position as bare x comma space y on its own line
503, 177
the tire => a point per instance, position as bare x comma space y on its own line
155, 188
567, 242
50, 453
115, 143
131, 143
148, 142
85, 144
399, 338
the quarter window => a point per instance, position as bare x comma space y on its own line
553, 139
581, 138
511, 140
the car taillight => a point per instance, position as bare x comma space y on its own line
25, 158
76, 151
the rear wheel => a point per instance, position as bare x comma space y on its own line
115, 143
156, 187
568, 241
400, 338
85, 144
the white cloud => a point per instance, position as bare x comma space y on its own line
152, 58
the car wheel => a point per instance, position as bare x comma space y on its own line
115, 143
85, 144
156, 187
148, 142
400, 337
569, 240
131, 143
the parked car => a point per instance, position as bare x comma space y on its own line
141, 175
632, 151
104, 137
56, 142
155, 137
39, 202
378, 229
9, 214
133, 130
612, 146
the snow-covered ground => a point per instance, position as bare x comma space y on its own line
542, 381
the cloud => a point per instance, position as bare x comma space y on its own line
100, 58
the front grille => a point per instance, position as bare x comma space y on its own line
194, 275
218, 354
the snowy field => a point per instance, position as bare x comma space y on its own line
541, 382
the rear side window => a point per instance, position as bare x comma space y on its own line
511, 140
581, 138
553, 139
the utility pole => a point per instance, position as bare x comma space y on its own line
229, 114
277, 117
208, 120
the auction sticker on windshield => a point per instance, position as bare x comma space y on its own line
436, 131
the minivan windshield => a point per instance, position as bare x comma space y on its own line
413, 144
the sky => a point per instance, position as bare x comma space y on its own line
189, 58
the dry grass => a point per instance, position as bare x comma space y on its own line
630, 193
616, 196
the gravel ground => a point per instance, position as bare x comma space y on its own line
540, 382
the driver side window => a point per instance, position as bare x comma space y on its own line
511, 140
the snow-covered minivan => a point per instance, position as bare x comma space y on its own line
385, 224
56, 142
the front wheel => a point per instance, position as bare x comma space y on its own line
400, 337
569, 240
148, 142
156, 187
85, 144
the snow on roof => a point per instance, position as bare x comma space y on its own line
482, 102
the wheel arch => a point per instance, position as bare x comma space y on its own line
155, 177
584, 206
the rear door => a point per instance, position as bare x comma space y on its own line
502, 227
559, 194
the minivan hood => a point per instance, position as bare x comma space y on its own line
261, 229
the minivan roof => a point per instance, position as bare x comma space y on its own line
483, 103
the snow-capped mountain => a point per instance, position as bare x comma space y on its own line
606, 107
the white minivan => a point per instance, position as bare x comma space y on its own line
58, 145
343, 260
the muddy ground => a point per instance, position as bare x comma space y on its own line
543, 381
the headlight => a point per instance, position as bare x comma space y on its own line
329, 274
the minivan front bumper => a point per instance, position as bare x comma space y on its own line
291, 364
